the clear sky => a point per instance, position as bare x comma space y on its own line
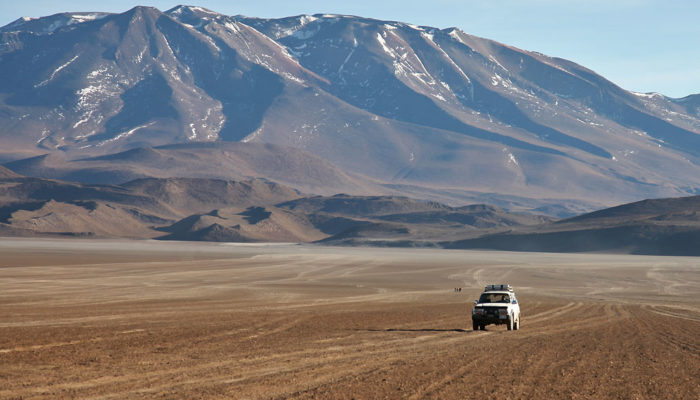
641, 45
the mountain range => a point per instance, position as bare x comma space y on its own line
255, 210
658, 227
394, 108
258, 210
192, 125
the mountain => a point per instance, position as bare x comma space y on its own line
254, 224
32, 206
220, 160
361, 206
203, 195
6, 173
137, 209
399, 109
658, 227
262, 211
234, 211
402, 221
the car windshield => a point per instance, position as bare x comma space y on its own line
494, 298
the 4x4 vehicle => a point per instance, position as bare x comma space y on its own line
496, 305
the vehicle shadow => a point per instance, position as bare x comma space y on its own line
418, 330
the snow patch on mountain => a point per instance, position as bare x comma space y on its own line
232, 26
74, 19
56, 71
50, 24
407, 65
304, 34
126, 133
493, 59
650, 95
307, 19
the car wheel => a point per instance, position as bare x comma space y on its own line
475, 326
516, 325
510, 324
482, 327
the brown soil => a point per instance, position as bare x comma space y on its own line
119, 319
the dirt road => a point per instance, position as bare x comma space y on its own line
119, 319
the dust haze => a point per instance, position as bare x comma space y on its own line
143, 319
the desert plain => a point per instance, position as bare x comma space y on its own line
112, 319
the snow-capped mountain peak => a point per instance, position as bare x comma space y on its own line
50, 24
413, 106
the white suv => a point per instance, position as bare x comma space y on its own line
497, 305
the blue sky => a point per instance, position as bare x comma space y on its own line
641, 45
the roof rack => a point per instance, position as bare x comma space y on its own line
501, 286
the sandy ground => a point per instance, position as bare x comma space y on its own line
120, 319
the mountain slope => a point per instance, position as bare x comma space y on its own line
436, 112
254, 224
261, 211
228, 161
548, 117
31, 206
6, 173
203, 195
659, 226
238, 211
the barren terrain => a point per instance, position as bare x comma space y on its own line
140, 319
